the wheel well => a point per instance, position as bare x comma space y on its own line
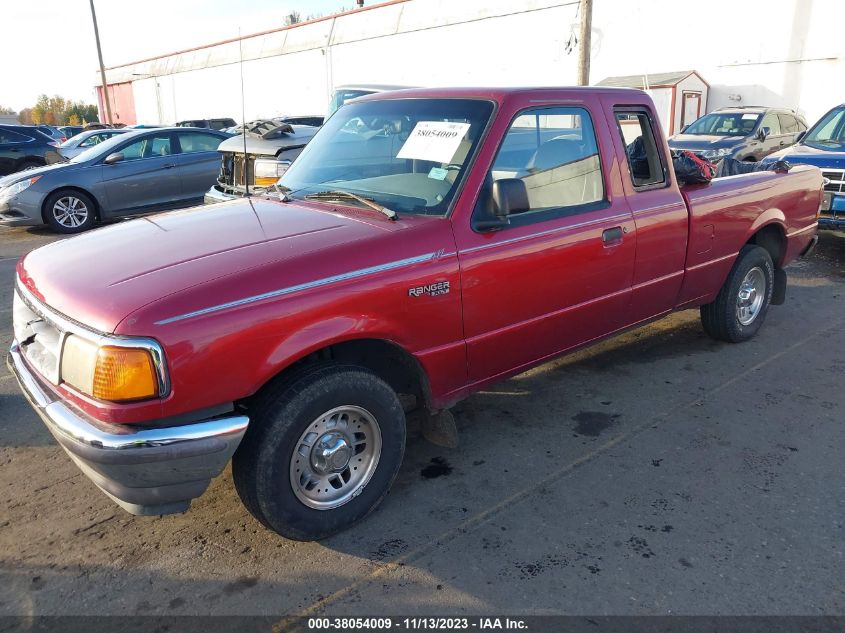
80, 190
749, 159
388, 361
772, 238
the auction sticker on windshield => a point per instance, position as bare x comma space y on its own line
434, 140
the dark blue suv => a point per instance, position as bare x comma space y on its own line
824, 147
23, 146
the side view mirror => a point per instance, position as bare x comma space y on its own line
684, 129
509, 196
113, 158
801, 135
764, 133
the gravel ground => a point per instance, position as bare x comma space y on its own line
655, 473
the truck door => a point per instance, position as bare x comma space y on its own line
559, 274
659, 211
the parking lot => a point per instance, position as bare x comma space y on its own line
658, 472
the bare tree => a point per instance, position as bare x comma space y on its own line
293, 18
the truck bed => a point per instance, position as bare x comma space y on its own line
726, 211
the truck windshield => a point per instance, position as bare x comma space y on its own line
829, 132
408, 155
724, 124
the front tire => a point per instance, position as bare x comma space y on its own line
70, 211
741, 305
321, 451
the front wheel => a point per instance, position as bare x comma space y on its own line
321, 451
69, 211
741, 305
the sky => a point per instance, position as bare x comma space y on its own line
52, 41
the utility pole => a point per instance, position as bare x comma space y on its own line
102, 67
586, 10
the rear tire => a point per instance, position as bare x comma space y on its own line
70, 211
741, 305
321, 452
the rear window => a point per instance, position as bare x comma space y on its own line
8, 136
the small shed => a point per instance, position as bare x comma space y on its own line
680, 97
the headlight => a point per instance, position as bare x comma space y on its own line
109, 372
710, 154
16, 188
269, 170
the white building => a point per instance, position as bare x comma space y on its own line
756, 52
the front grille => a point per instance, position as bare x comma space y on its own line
236, 170
39, 339
836, 178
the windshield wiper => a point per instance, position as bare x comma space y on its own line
340, 194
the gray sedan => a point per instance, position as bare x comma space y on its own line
136, 172
75, 145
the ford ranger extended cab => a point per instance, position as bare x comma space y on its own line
424, 245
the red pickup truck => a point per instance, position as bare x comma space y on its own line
424, 245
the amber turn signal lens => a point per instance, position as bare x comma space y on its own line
124, 373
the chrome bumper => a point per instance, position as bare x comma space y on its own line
215, 196
147, 471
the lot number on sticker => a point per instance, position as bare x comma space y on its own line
436, 141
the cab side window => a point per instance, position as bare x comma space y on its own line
553, 151
644, 160
771, 121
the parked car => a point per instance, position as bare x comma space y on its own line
426, 245
85, 140
134, 172
214, 124
271, 147
824, 147
23, 147
53, 132
70, 131
742, 133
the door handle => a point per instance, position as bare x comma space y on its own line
612, 236
170, 166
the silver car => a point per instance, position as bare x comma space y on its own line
75, 145
135, 172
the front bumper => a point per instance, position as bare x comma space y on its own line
147, 471
23, 209
833, 217
216, 195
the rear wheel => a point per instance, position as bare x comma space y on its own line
321, 452
741, 305
69, 211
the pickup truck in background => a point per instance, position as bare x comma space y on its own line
824, 147
271, 145
425, 245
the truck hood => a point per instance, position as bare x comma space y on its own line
699, 142
805, 154
198, 255
269, 147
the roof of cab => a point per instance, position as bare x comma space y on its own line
494, 93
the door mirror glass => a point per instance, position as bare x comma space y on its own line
113, 158
763, 133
